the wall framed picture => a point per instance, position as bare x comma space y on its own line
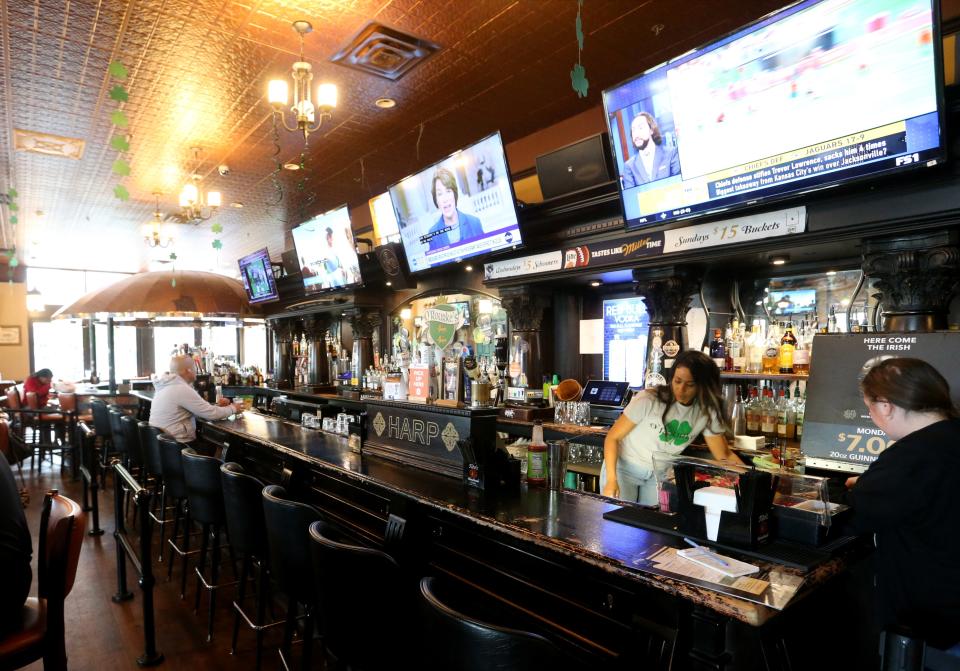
10, 335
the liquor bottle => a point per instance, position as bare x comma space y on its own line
537, 457
800, 407
736, 351
788, 344
718, 350
786, 417
832, 320
755, 349
768, 416
801, 356
728, 345
753, 413
771, 352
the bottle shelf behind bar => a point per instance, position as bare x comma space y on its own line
762, 376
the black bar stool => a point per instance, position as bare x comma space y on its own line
205, 500
290, 564
243, 499
117, 438
153, 470
458, 640
175, 488
103, 433
357, 584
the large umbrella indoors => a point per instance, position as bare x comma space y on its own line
167, 293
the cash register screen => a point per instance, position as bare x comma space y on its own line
605, 393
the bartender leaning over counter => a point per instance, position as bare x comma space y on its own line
665, 419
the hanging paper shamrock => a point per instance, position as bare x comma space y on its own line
217, 244
119, 143
173, 258
578, 75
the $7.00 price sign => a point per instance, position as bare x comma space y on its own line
859, 447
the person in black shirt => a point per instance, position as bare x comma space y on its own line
909, 499
16, 549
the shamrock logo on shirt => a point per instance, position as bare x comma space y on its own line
676, 432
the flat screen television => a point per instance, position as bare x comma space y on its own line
797, 302
459, 207
327, 252
819, 93
256, 273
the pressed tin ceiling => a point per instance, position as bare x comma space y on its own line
198, 71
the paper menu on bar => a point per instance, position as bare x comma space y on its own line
715, 562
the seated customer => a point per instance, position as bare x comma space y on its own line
16, 548
177, 403
39, 382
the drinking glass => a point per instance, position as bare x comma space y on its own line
582, 413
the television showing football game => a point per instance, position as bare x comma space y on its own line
256, 273
327, 252
459, 207
819, 93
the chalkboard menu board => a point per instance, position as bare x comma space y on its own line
837, 431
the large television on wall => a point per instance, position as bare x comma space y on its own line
256, 273
459, 207
327, 252
814, 95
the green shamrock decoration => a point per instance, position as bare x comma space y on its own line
676, 432
173, 281
119, 119
217, 244
120, 191
216, 228
13, 207
14, 219
121, 167
173, 256
118, 70
119, 142
578, 78
119, 94
579, 31
12, 192
14, 261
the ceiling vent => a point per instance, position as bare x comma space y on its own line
385, 52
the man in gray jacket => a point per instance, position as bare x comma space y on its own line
176, 403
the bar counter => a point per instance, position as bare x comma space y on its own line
548, 555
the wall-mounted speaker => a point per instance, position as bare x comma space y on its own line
577, 166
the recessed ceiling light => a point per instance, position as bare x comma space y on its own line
779, 259
389, 284
237, 204
469, 269
385, 103
291, 166
831, 273
595, 283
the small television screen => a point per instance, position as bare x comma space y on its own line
822, 92
799, 301
385, 226
459, 207
256, 273
327, 252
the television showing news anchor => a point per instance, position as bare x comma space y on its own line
459, 207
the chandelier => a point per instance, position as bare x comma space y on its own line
192, 200
304, 111
153, 238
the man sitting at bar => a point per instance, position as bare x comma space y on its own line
177, 404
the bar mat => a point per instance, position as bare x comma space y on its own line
794, 555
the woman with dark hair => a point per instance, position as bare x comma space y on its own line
453, 226
40, 383
665, 419
908, 498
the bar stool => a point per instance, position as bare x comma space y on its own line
153, 470
104, 436
355, 585
456, 639
47, 427
175, 488
205, 500
288, 538
117, 439
72, 418
243, 499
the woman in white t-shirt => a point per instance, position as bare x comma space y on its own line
664, 419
